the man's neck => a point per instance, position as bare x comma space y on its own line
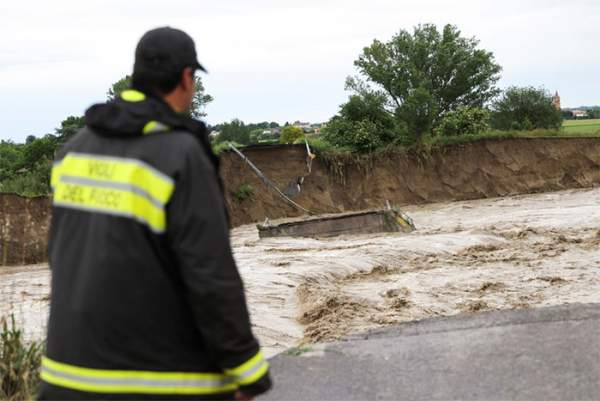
174, 101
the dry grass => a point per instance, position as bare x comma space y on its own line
19, 363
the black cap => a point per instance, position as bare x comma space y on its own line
165, 50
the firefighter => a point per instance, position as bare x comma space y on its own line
147, 302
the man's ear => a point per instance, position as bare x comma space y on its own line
187, 78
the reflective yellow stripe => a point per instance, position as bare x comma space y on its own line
251, 370
149, 127
112, 201
116, 169
260, 372
154, 126
127, 381
54, 176
131, 95
117, 186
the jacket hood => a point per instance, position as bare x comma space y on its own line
133, 113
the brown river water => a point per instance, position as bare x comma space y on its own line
465, 257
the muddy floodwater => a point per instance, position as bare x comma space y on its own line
465, 257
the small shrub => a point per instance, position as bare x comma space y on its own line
290, 133
19, 363
221, 147
464, 121
245, 191
34, 182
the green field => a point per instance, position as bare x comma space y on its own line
582, 126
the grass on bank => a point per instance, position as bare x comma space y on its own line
436, 142
35, 183
19, 363
582, 127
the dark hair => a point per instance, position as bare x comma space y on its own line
155, 83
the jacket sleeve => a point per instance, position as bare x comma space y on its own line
199, 237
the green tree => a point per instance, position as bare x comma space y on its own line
42, 149
33, 182
566, 114
425, 74
594, 112
11, 159
363, 124
234, 131
25, 168
255, 135
464, 121
69, 127
290, 134
199, 102
118, 87
525, 109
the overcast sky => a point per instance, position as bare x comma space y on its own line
273, 60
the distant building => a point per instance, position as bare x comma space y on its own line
556, 101
270, 134
305, 127
579, 113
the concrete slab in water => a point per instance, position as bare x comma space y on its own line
366, 222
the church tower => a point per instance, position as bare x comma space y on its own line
556, 100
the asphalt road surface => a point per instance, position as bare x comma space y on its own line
536, 354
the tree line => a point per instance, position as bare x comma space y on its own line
25, 167
420, 85
430, 83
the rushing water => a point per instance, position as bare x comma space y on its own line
465, 257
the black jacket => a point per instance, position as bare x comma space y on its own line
146, 298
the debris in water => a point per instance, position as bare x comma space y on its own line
366, 222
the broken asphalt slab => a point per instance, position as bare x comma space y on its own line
548, 353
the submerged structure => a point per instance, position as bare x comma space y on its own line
390, 219
366, 222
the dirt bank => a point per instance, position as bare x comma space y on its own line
484, 169
23, 229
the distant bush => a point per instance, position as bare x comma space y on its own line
464, 121
290, 134
235, 131
31, 182
318, 143
255, 135
525, 109
363, 124
220, 147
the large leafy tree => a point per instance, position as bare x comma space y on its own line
199, 102
69, 127
426, 74
234, 131
524, 109
118, 87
